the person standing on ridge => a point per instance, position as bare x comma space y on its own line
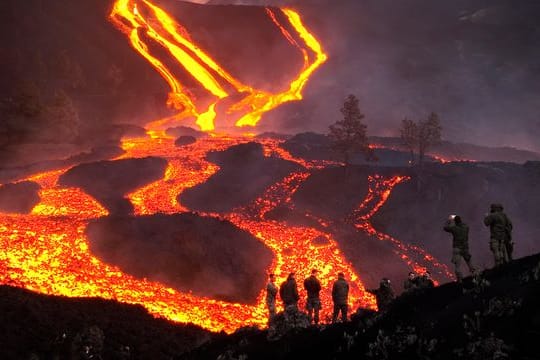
411, 282
425, 281
460, 244
288, 291
271, 293
500, 227
384, 294
340, 297
313, 302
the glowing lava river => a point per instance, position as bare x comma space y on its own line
47, 251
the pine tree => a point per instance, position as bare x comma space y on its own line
349, 135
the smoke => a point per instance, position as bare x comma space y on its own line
469, 62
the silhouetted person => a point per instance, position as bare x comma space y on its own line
425, 281
500, 228
411, 283
460, 244
340, 297
384, 294
271, 294
313, 302
288, 291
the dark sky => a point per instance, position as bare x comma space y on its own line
475, 62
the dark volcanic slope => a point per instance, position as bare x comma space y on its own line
53, 327
73, 47
205, 255
417, 215
502, 317
245, 173
19, 198
109, 181
315, 146
498, 318
335, 192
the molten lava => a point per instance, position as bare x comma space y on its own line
145, 24
47, 251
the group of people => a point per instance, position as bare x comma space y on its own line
384, 294
288, 292
500, 244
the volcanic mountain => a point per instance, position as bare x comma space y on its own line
189, 229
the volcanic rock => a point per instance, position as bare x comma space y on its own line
180, 131
207, 256
109, 181
333, 193
52, 327
491, 316
97, 153
314, 146
273, 135
128, 130
185, 140
289, 319
19, 197
310, 146
244, 174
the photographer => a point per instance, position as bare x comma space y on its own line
460, 244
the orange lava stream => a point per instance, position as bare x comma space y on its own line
135, 17
292, 246
47, 251
300, 249
378, 192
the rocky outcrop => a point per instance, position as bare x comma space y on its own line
109, 181
205, 255
19, 197
185, 140
244, 174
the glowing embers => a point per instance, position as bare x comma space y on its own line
146, 25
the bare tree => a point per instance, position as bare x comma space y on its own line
409, 136
429, 134
420, 136
349, 135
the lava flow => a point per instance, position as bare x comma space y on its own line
378, 192
144, 23
47, 251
